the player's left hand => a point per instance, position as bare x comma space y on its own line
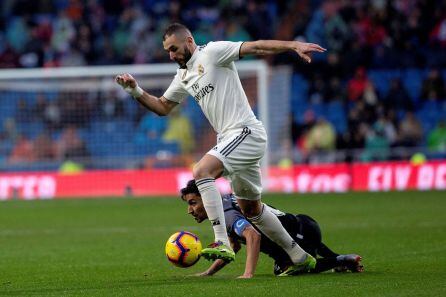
126, 80
129, 84
304, 50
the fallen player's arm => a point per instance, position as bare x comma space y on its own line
252, 238
219, 264
161, 106
270, 47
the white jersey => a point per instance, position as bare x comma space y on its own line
212, 79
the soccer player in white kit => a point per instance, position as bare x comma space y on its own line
209, 75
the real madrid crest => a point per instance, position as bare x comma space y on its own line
200, 69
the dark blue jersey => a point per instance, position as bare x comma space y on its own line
301, 228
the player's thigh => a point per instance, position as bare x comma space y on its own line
208, 166
241, 150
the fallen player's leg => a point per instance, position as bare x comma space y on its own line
350, 262
307, 265
324, 251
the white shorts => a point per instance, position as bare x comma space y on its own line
240, 153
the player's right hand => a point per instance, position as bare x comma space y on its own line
126, 80
129, 84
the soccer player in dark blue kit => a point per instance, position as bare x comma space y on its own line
302, 228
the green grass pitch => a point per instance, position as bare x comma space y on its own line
115, 247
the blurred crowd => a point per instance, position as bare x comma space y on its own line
373, 33
77, 125
51, 33
360, 35
375, 122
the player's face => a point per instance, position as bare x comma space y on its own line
195, 207
178, 49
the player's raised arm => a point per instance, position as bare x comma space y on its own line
252, 238
161, 106
270, 47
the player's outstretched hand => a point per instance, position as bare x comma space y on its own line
245, 276
205, 273
304, 50
126, 80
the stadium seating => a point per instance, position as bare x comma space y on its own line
120, 137
428, 112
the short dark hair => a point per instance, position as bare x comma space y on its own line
175, 28
191, 188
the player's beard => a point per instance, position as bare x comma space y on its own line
187, 56
199, 219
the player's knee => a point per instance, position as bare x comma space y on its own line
251, 209
200, 172
250, 213
248, 192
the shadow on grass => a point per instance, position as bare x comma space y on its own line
151, 284
158, 285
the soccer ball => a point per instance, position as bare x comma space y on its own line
183, 249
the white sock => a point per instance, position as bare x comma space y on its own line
270, 225
214, 208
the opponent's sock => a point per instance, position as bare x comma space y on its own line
270, 225
324, 264
214, 208
324, 251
